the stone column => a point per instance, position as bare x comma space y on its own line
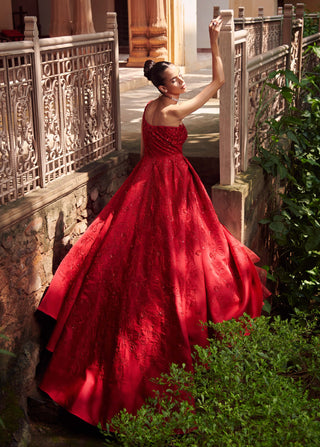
216, 11
31, 33
138, 31
60, 18
82, 17
227, 51
158, 30
241, 12
287, 24
176, 35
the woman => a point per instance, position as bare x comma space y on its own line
130, 295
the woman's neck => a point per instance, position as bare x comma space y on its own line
171, 97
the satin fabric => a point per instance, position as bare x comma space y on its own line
131, 293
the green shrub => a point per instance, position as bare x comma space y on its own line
310, 26
290, 150
261, 389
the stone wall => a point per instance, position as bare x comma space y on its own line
241, 206
35, 234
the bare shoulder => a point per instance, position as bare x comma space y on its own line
158, 114
150, 109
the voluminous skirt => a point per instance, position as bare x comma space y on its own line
130, 296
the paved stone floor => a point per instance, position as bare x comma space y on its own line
202, 146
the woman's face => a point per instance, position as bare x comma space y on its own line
173, 81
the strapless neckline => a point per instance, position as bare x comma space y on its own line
162, 125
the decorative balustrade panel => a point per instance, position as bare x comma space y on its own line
263, 34
254, 39
19, 172
256, 102
78, 106
295, 54
263, 102
58, 107
271, 35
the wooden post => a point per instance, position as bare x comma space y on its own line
157, 30
244, 104
227, 100
287, 24
216, 11
31, 33
138, 30
241, 15
300, 24
82, 17
60, 24
262, 34
299, 10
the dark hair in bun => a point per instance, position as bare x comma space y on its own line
154, 71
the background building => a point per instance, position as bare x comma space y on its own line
160, 29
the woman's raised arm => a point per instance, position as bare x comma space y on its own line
186, 107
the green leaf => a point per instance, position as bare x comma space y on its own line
316, 51
5, 352
313, 241
287, 94
266, 307
2, 424
291, 76
277, 227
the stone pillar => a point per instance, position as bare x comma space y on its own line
287, 24
31, 33
241, 12
216, 11
138, 33
61, 24
190, 32
299, 28
299, 10
6, 15
158, 29
82, 17
227, 100
176, 34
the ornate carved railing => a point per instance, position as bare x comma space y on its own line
261, 97
251, 49
59, 100
264, 33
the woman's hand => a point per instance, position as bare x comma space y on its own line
214, 31
180, 111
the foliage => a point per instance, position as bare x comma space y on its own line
310, 25
290, 150
258, 389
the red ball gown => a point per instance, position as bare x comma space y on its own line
131, 293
